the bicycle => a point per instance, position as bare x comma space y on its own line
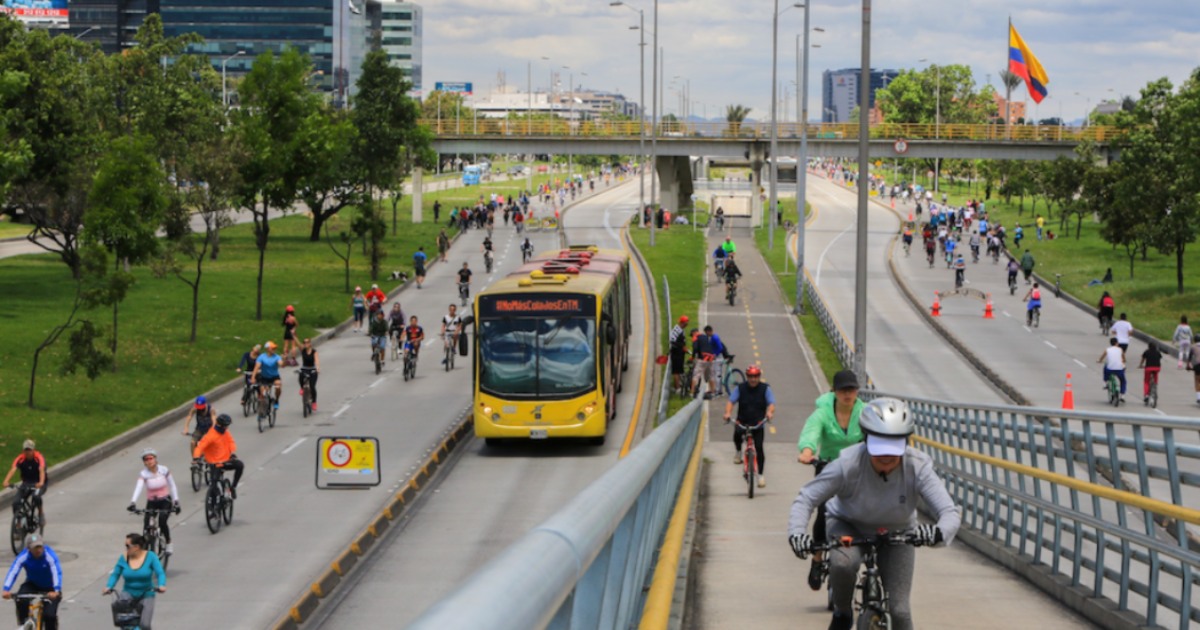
1012, 285
1105, 324
907, 248
750, 456
306, 397
929, 257
449, 346
731, 292
200, 474
410, 362
1033, 316
487, 259
36, 602
24, 520
127, 611
525, 252
218, 503
268, 407
1114, 390
720, 222
871, 608
732, 378
1152, 397
397, 347
378, 353
154, 539
464, 292
249, 397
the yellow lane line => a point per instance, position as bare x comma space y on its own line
646, 329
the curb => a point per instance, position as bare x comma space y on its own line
649, 410
329, 580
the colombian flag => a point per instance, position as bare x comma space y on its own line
1022, 63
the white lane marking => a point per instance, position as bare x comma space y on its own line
381, 379
344, 409
1027, 329
294, 445
1006, 313
1050, 344
1081, 364
821, 260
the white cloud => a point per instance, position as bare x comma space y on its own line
1088, 47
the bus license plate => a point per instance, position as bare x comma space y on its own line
537, 434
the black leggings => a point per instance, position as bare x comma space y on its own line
165, 506
236, 466
819, 534
757, 434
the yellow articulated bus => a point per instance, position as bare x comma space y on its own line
552, 342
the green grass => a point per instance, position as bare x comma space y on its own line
158, 369
1149, 297
9, 229
776, 259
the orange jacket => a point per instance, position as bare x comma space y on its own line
216, 447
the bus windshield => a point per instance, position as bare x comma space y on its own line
542, 357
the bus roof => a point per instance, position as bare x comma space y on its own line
559, 271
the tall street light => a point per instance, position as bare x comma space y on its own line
802, 158
774, 184
864, 165
224, 90
641, 28
654, 127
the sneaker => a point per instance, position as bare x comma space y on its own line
275, 406
1145, 400
169, 550
314, 407
762, 481
814, 576
737, 459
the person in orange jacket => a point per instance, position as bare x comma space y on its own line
218, 448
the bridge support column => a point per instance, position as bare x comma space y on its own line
418, 189
675, 185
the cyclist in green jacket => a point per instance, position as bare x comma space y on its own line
832, 427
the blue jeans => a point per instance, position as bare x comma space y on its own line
1120, 374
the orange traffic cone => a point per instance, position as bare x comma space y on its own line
910, 217
937, 305
1068, 396
987, 310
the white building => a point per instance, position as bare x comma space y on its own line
400, 35
582, 105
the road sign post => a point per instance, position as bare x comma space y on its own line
347, 462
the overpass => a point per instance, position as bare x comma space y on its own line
750, 141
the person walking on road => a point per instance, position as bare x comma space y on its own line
1122, 330
419, 260
443, 244
1113, 359
832, 426
677, 350
358, 303
1027, 264
755, 402
1183, 340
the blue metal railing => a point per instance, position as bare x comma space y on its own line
585, 566
1097, 499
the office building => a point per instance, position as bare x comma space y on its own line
111, 24
839, 93
398, 30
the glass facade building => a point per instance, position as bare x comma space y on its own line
399, 32
839, 94
111, 24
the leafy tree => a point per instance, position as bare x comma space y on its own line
444, 106
127, 203
735, 115
275, 103
330, 175
15, 153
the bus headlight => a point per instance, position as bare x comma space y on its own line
487, 410
585, 412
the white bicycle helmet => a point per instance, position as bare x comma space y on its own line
149, 451
887, 417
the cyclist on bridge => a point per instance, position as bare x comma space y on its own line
161, 493
873, 485
755, 401
202, 411
731, 273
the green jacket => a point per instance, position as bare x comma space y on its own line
823, 434
378, 327
1027, 262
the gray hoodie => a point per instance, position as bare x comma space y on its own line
859, 497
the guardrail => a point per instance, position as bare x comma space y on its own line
762, 130
841, 342
587, 565
1037, 482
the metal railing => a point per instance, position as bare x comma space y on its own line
587, 565
842, 345
1097, 499
760, 130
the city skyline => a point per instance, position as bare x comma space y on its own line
725, 52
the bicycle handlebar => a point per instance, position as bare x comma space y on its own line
882, 538
751, 428
154, 511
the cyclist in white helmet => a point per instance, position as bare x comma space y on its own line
874, 485
161, 493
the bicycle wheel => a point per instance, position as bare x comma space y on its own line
227, 501
18, 532
1114, 392
750, 459
197, 477
160, 547
306, 402
733, 379
732, 295
248, 404
1154, 394
1037, 317
260, 421
212, 509
272, 413
378, 363
874, 620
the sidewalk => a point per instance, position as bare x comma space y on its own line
745, 573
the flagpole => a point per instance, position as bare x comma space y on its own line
1008, 85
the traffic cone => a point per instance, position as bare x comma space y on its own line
937, 305
987, 310
1068, 402
910, 217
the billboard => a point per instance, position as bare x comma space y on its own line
460, 88
37, 10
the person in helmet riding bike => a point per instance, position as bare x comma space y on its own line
874, 485
755, 401
219, 449
161, 493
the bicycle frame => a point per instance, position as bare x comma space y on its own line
872, 595
36, 602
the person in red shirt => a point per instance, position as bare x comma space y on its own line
32, 467
375, 297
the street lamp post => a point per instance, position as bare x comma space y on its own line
641, 28
654, 128
224, 89
774, 184
864, 165
802, 158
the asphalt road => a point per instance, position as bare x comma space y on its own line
494, 495
284, 530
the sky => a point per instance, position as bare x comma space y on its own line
1092, 50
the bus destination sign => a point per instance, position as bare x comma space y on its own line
544, 305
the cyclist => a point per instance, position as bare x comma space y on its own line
719, 260
1113, 359
1122, 330
413, 336
464, 280
960, 271
677, 340
310, 366
873, 486
379, 336
488, 253
266, 372
246, 366
722, 356
1183, 339
419, 259
1034, 298
396, 321
1027, 264
720, 215
832, 426
359, 305
32, 466
526, 248
728, 246
43, 575
755, 401
951, 243
144, 576
1012, 268
161, 493
974, 243
204, 414
908, 238
375, 298
930, 246
451, 324
705, 353
289, 333
1104, 311
1152, 362
219, 449
732, 273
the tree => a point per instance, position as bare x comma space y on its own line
918, 96
330, 176
445, 107
275, 103
735, 115
127, 203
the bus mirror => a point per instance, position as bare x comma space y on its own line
610, 334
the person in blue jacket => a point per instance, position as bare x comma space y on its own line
43, 575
